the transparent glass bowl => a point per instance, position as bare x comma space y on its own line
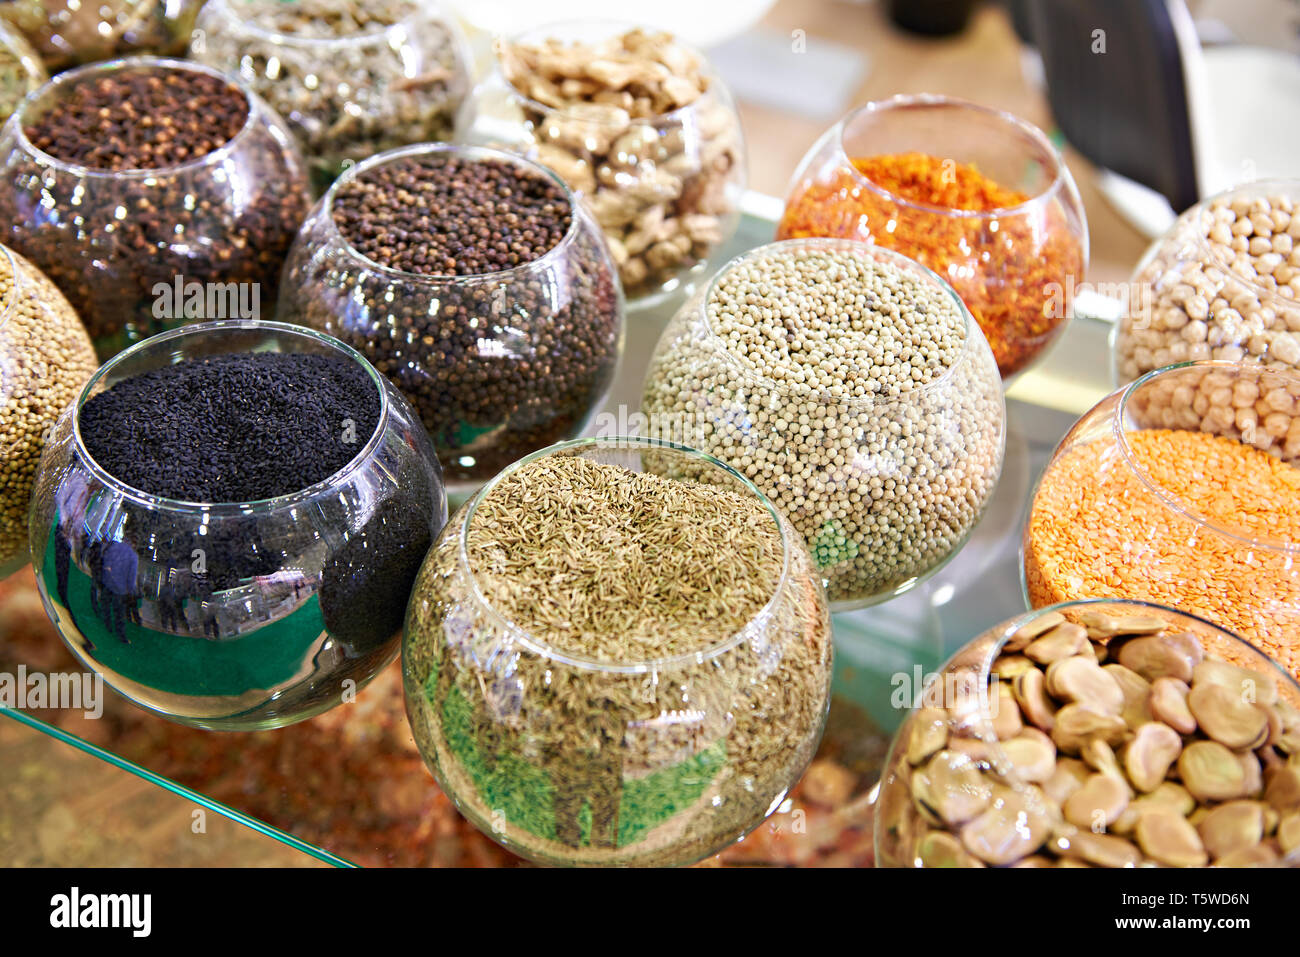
820, 455
961, 703
1131, 536
497, 365
236, 616
1215, 288
21, 70
568, 760
45, 359
117, 242
1016, 268
666, 190
346, 96
70, 32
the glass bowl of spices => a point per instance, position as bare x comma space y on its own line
479, 284
351, 78
21, 71
1222, 283
45, 359
153, 192
851, 385
1099, 733
640, 125
978, 195
68, 33
1181, 488
237, 564
617, 653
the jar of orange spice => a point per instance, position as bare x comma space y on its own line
978, 195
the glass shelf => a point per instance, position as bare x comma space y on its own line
349, 786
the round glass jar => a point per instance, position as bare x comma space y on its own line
351, 79
67, 33
236, 616
884, 489
664, 184
497, 364
989, 768
138, 251
1222, 283
21, 70
577, 760
45, 359
1015, 263
1182, 489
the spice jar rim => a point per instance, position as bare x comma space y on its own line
17, 122
677, 662
970, 341
420, 10
1002, 765
546, 261
1062, 179
1214, 254
229, 509
17, 281
554, 30
1167, 497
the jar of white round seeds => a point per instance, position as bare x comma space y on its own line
1223, 283
854, 388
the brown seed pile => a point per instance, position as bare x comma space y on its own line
1224, 284
510, 341
131, 120
452, 217
846, 388
109, 241
665, 764
1105, 740
640, 126
45, 360
394, 76
1096, 529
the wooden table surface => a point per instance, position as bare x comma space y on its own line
51, 791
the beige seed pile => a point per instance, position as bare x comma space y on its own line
45, 359
1225, 284
846, 389
579, 551
1117, 740
621, 566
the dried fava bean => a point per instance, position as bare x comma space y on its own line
1034, 860
1136, 690
1102, 625
1007, 722
1168, 703
1149, 755
1245, 683
941, 849
1225, 717
1233, 826
1015, 823
1068, 777
1256, 856
1288, 832
1098, 802
953, 787
1083, 681
929, 734
1153, 658
1211, 772
1076, 723
977, 749
1030, 689
853, 389
1032, 755
1104, 850
1062, 641
1253, 772
1100, 756
1026, 633
1008, 666
1169, 838
1283, 790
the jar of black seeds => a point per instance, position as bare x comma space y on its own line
852, 386
154, 193
478, 284
228, 521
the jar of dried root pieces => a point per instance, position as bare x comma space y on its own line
617, 653
639, 124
